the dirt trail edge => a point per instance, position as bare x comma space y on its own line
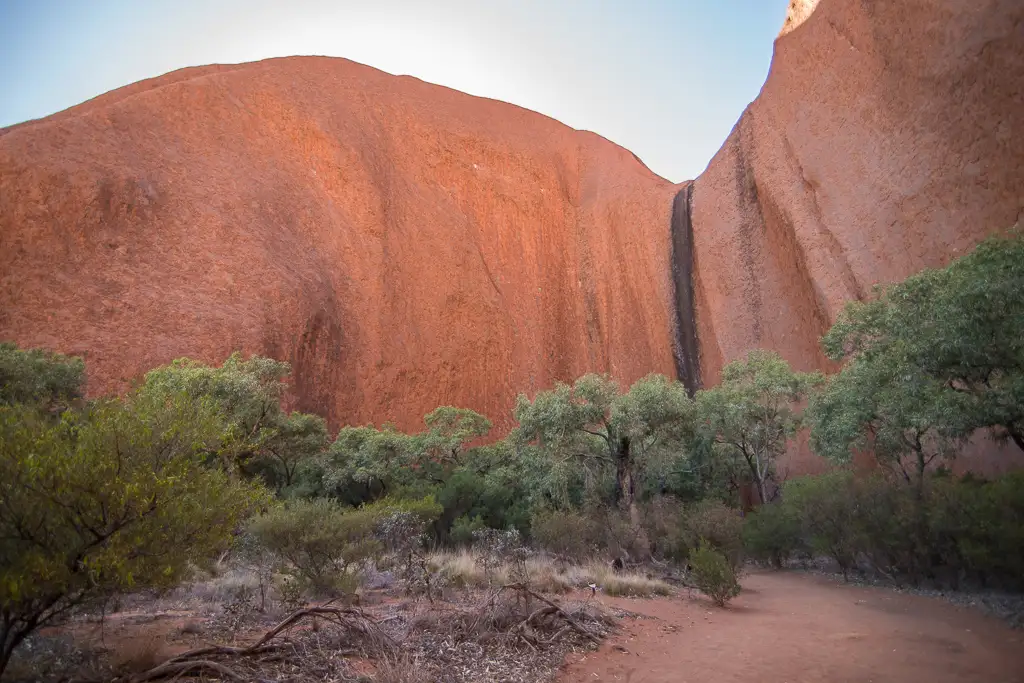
790, 627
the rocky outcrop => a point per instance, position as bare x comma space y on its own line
405, 245
402, 244
888, 137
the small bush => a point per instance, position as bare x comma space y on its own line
713, 574
662, 520
626, 584
570, 533
719, 525
463, 529
322, 542
771, 534
827, 508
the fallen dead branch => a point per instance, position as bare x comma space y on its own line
203, 660
550, 617
553, 608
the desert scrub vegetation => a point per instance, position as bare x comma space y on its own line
947, 532
713, 574
112, 497
462, 569
597, 483
321, 543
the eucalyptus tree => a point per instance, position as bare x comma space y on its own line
592, 426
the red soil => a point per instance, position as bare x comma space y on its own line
795, 628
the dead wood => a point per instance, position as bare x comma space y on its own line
199, 662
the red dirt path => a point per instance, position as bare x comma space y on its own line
799, 629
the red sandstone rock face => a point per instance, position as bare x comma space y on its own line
402, 244
889, 137
405, 245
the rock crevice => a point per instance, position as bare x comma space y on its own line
686, 347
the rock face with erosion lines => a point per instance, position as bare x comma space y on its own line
405, 245
402, 244
888, 137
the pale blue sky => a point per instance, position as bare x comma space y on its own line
666, 79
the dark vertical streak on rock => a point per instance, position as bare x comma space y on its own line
686, 346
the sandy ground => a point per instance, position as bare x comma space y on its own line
794, 628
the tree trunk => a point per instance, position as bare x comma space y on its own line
1017, 436
10, 639
625, 484
761, 490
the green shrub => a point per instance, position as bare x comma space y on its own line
889, 529
38, 377
713, 574
718, 524
323, 543
976, 529
771, 534
111, 498
570, 533
662, 521
463, 529
582, 534
1000, 526
827, 508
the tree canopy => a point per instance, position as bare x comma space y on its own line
385, 460
750, 416
39, 377
111, 497
591, 426
259, 437
955, 330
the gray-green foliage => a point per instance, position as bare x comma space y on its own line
713, 574
112, 497
884, 405
385, 460
716, 524
39, 377
750, 416
322, 542
259, 437
929, 360
591, 430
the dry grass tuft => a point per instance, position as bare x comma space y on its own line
400, 669
462, 570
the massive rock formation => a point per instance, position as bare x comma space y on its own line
402, 244
888, 137
405, 245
